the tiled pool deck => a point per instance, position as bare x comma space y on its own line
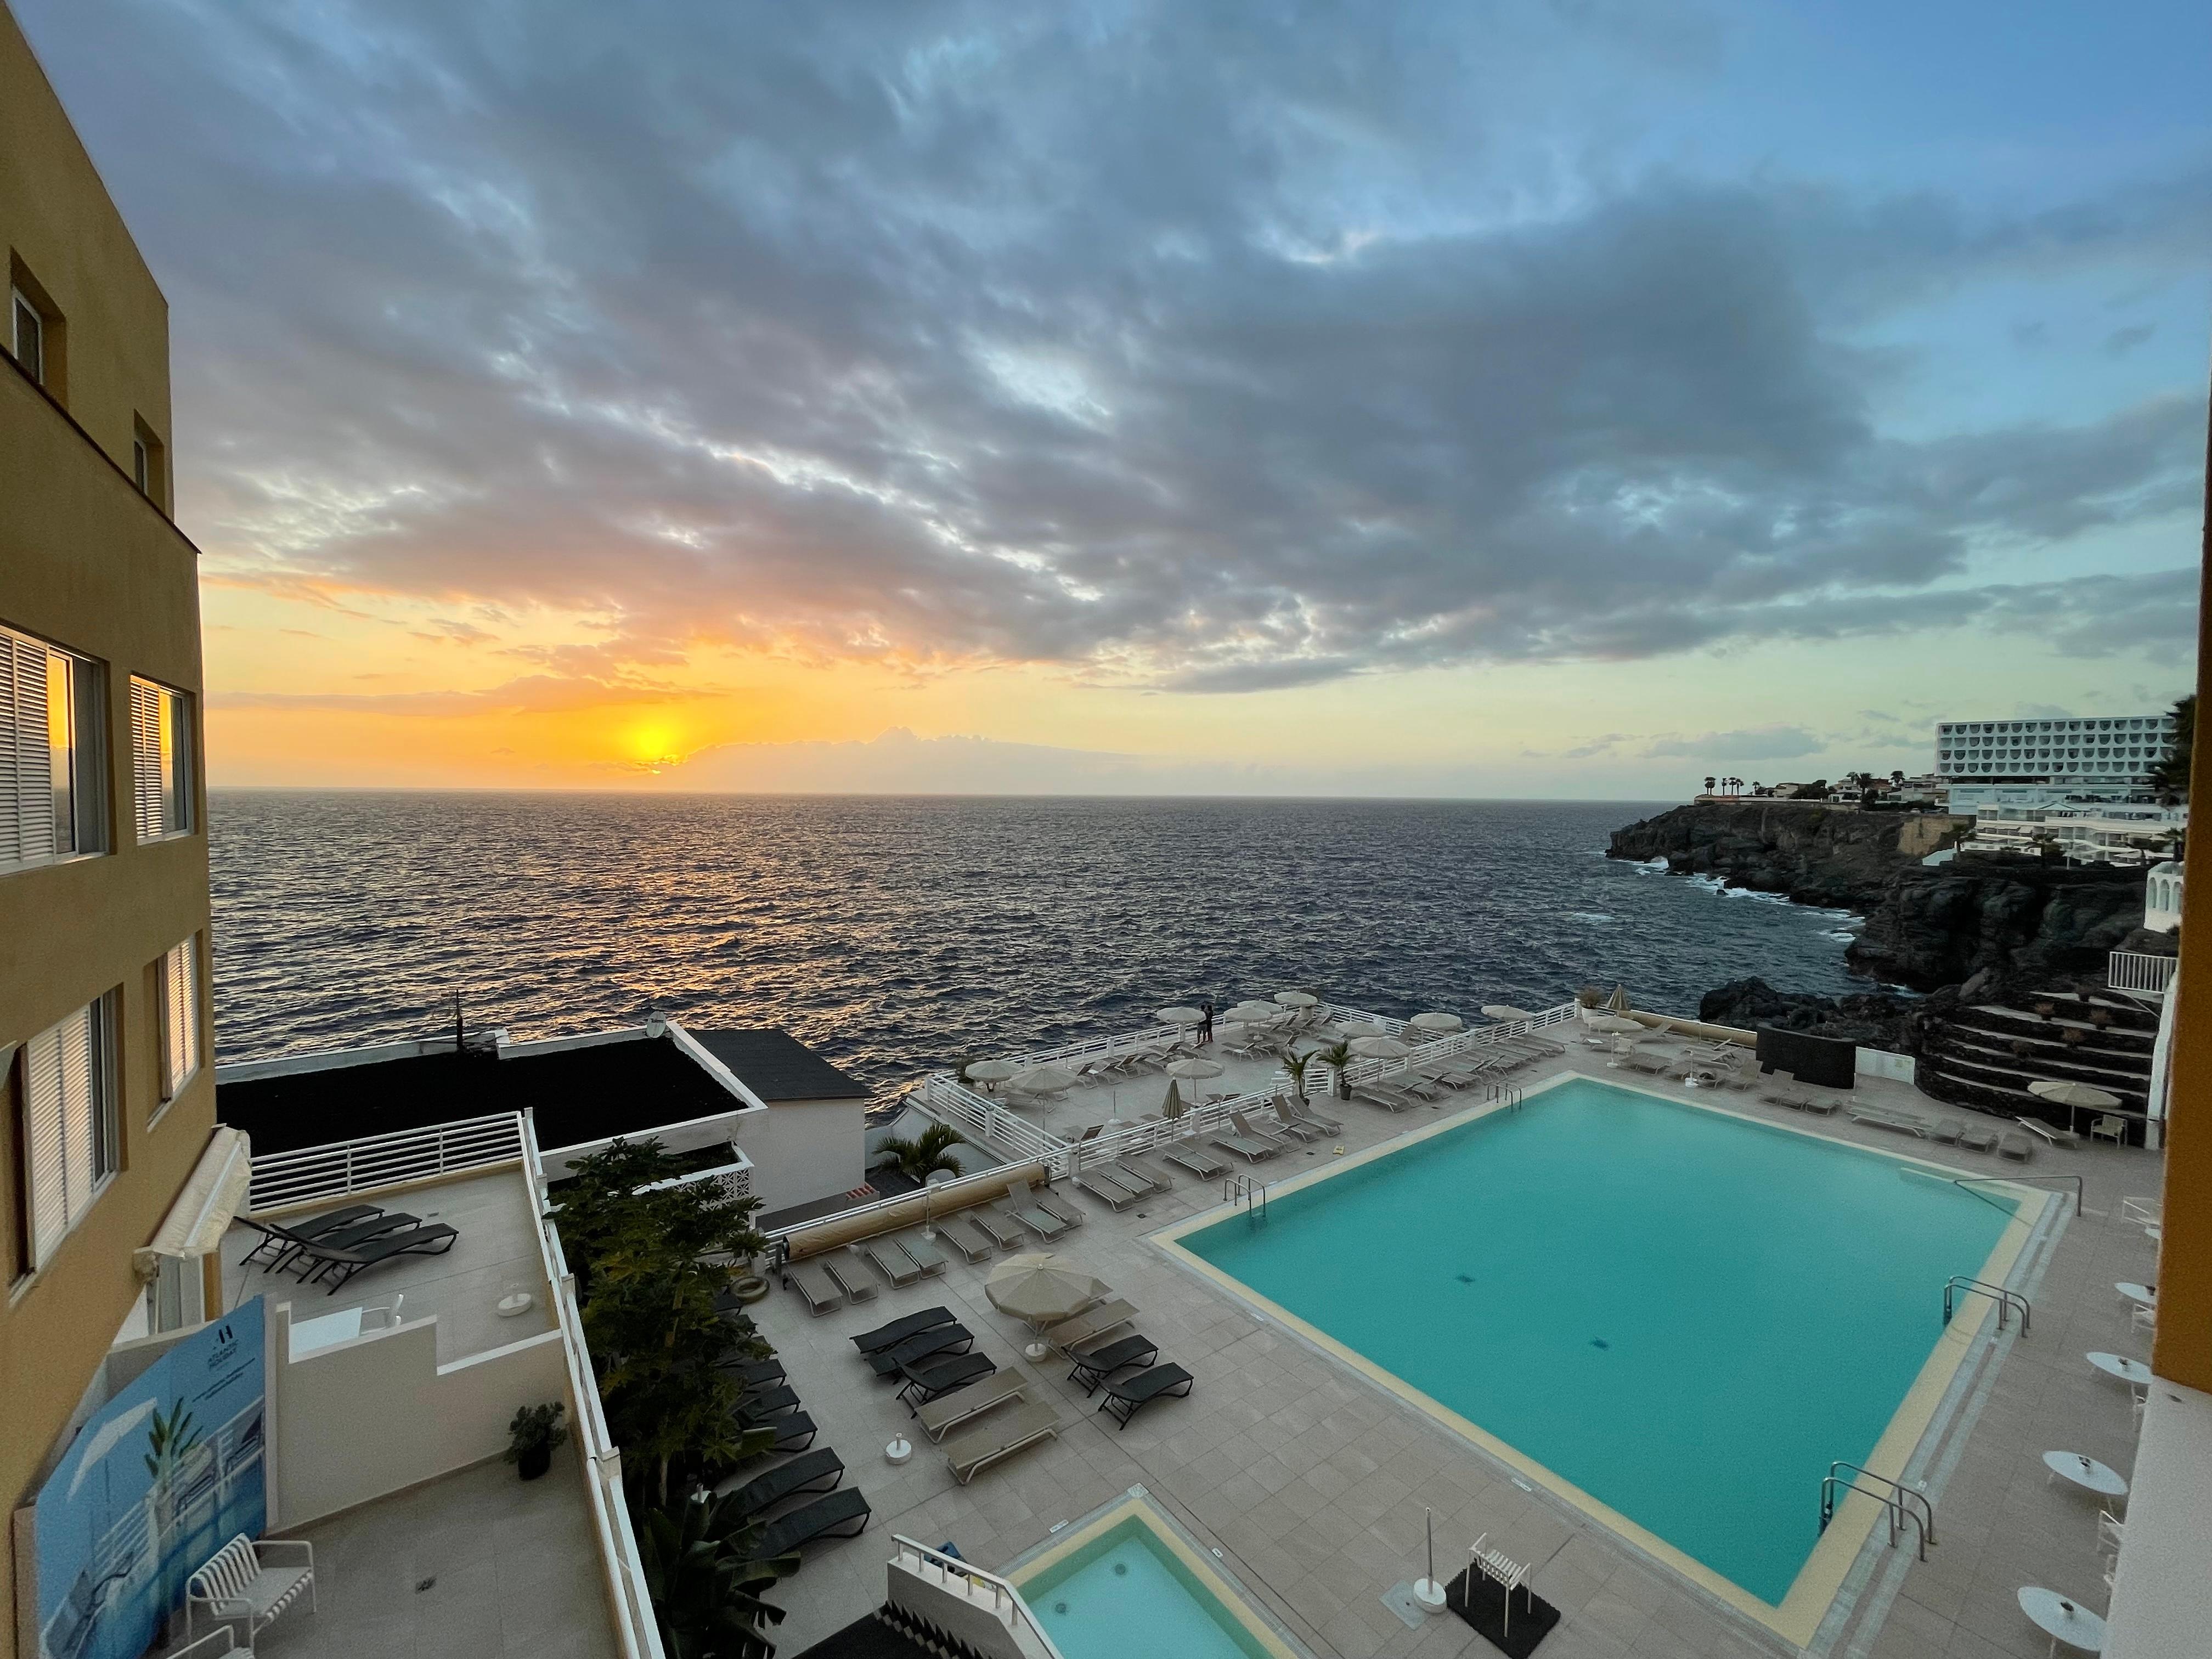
1312, 1481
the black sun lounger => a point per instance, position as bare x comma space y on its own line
890, 1335
1095, 1367
353, 1235
812, 1471
279, 1240
343, 1264
793, 1433
764, 1403
841, 1515
1125, 1400
923, 1385
942, 1338
750, 1373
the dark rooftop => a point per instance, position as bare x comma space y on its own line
579, 1094
776, 1066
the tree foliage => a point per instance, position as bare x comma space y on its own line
703, 1570
919, 1157
2172, 775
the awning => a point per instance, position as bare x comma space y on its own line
201, 1215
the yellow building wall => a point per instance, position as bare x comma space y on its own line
90, 564
56, 220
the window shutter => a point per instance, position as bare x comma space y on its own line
27, 804
180, 1016
71, 1139
147, 785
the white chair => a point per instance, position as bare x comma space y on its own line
253, 1582
2142, 1318
2107, 1127
217, 1643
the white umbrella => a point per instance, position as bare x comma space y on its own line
1171, 1104
1039, 1287
1374, 1028
1253, 1010
1443, 1024
1196, 1067
992, 1071
1297, 999
1504, 1011
2072, 1094
1617, 1002
1044, 1080
1613, 1025
1380, 1047
107, 1437
1178, 1016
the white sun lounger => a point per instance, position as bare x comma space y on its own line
1196, 1159
996, 1228
1001, 1436
920, 1251
1070, 1335
950, 1410
892, 1262
1135, 1177
848, 1278
810, 1282
1101, 1185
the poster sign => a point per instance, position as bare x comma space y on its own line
161, 1477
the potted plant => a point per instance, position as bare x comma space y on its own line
1337, 1056
921, 1156
531, 1436
2100, 1018
2044, 1010
2075, 1038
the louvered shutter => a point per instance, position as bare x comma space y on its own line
149, 796
26, 801
180, 1016
69, 1135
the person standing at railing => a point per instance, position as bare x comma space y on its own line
1206, 1021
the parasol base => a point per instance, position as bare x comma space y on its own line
1037, 1353
1428, 1596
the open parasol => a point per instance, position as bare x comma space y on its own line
1040, 1288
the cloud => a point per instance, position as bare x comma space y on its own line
1758, 744
534, 693
1182, 347
2122, 341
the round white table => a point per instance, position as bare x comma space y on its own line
2085, 1472
2127, 1371
2063, 1619
2134, 1293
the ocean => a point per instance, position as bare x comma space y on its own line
900, 935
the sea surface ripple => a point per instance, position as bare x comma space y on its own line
901, 934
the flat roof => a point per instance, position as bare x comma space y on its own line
580, 1094
776, 1066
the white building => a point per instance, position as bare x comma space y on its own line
2046, 763
2082, 835
2162, 899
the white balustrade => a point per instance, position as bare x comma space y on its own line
313, 1174
2139, 972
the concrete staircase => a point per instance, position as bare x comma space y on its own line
1985, 1056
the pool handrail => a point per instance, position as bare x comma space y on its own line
2021, 1180
1898, 1500
2005, 1299
1003, 1592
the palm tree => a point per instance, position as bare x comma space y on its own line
704, 1576
2172, 775
1336, 1057
923, 1155
1709, 782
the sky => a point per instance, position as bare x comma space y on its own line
1562, 399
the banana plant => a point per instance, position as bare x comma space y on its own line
1337, 1056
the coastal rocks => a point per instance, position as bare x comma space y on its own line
1827, 856
2011, 925
1874, 1019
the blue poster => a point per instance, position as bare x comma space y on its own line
162, 1476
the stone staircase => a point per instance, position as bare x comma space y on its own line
1985, 1056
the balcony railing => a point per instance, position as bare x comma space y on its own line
2139, 972
313, 1174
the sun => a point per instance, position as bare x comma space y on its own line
652, 746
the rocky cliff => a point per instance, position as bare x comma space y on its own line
1816, 854
2021, 926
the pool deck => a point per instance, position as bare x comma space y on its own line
1312, 1480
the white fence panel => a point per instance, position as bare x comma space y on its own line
312, 1174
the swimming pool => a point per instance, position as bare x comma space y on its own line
1675, 1316
1125, 1583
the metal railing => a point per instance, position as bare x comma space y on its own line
1250, 1190
1972, 1182
1961, 1284
312, 1174
1006, 1601
1897, 1500
2139, 972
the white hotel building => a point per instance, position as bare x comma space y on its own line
2049, 763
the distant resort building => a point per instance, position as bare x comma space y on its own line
2050, 762
2116, 833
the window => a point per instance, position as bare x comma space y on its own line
28, 338
52, 754
180, 1017
69, 1139
161, 759
148, 471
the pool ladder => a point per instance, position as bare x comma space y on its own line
1903, 1506
1249, 1190
1961, 1284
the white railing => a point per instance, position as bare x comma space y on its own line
942, 1199
1098, 1047
313, 1174
734, 1178
2139, 972
1005, 1602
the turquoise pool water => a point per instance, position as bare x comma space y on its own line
1685, 1315
1125, 1593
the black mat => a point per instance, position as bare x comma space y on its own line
1533, 1616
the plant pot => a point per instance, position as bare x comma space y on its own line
534, 1462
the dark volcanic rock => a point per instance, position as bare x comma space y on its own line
1829, 856
1874, 1019
2017, 924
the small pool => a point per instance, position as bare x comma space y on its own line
1125, 1585
1674, 1315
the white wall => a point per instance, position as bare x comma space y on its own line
805, 1150
718, 1130
1879, 1062
362, 1418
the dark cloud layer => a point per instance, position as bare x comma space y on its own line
1203, 347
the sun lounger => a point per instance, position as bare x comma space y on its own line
963, 1236
339, 1265
998, 1229
1066, 1214
1390, 1098
1783, 1097
923, 1254
1418, 1085
1001, 1436
2049, 1133
1125, 1400
1882, 1117
893, 1263
1251, 1148
1657, 1065
1096, 1365
919, 1385
900, 1329
1137, 1177
2019, 1148
764, 1403
814, 1471
1290, 1123
1822, 1105
1103, 1187
793, 1433
940, 1338
1043, 1223
1945, 1132
1252, 1131
1978, 1138
846, 1276
1201, 1162
949, 1411
1093, 1322
810, 1282
279, 1240
841, 1515
750, 1373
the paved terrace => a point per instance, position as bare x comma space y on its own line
1311, 1482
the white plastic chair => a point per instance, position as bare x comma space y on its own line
382, 1317
250, 1581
